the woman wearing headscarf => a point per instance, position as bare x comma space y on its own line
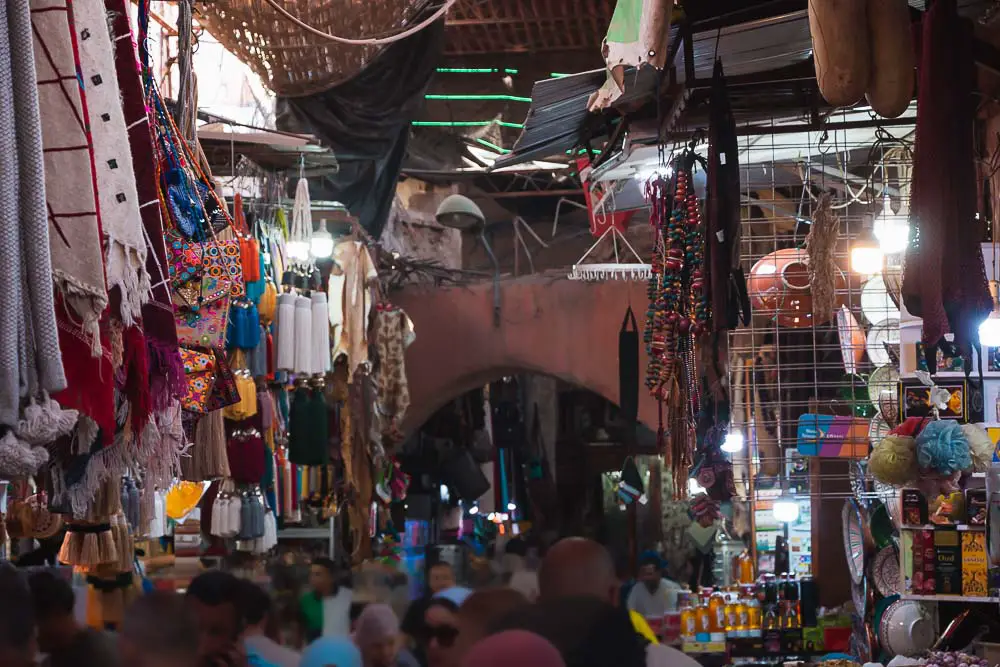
514, 647
331, 652
440, 627
379, 639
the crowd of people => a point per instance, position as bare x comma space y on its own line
577, 620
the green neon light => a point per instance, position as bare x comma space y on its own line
506, 98
476, 70
558, 75
489, 144
466, 123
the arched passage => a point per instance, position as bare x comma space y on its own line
549, 325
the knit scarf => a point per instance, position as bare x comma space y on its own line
166, 373
116, 185
70, 178
30, 357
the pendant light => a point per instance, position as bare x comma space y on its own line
785, 508
989, 330
866, 253
321, 243
733, 442
892, 230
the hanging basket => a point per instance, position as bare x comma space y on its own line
290, 60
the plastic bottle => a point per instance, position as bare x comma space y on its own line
732, 613
754, 617
743, 613
689, 621
717, 609
703, 614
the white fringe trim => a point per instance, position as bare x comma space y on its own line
87, 302
126, 269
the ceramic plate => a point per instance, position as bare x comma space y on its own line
889, 495
859, 596
854, 540
885, 571
858, 484
883, 384
877, 429
876, 304
886, 331
907, 628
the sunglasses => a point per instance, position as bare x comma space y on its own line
444, 634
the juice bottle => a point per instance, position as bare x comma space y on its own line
717, 610
689, 622
743, 614
703, 615
732, 613
754, 618
745, 567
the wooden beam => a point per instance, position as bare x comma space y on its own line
521, 194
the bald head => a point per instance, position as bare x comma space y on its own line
578, 567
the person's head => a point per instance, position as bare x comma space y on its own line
440, 630
440, 576
587, 632
331, 652
513, 647
650, 570
17, 620
481, 611
159, 630
54, 602
257, 608
215, 599
575, 567
323, 576
378, 636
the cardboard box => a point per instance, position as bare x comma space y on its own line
974, 564
947, 562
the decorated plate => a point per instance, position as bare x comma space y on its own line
889, 495
885, 332
885, 571
877, 429
883, 383
860, 597
855, 542
859, 487
876, 304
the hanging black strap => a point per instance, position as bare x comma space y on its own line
628, 374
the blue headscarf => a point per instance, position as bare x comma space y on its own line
455, 595
331, 652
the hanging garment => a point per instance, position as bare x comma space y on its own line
121, 221
32, 357
359, 272
75, 230
389, 331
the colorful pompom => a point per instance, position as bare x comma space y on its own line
894, 460
942, 447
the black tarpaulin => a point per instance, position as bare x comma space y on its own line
366, 122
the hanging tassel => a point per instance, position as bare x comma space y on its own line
303, 336
285, 359
45, 422
319, 427
137, 378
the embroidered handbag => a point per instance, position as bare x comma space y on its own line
225, 391
199, 372
219, 259
201, 312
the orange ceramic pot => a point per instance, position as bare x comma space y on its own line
779, 287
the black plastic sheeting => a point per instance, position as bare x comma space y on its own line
366, 122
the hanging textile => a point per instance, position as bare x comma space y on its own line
166, 373
31, 359
945, 282
628, 374
359, 274
70, 179
366, 122
121, 222
390, 331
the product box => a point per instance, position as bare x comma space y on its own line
906, 559
812, 639
948, 561
914, 508
974, 564
924, 563
975, 507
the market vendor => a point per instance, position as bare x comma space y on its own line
653, 596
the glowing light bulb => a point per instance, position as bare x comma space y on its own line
298, 250
989, 330
785, 509
321, 243
866, 258
474, 510
733, 442
891, 230
512, 506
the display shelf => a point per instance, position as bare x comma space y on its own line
949, 598
960, 527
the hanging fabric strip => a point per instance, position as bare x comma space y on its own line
628, 374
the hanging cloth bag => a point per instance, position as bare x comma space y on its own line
249, 248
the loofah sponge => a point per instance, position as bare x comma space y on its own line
894, 460
980, 447
943, 448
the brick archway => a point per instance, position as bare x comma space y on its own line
549, 325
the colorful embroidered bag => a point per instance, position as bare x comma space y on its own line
218, 259
199, 371
201, 312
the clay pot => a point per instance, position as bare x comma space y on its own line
779, 287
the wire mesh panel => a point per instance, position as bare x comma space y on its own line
821, 382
